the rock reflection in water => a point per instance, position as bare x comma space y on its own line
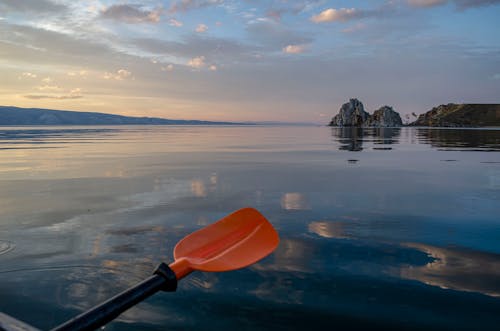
458, 269
460, 139
352, 138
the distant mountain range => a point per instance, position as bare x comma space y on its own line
38, 116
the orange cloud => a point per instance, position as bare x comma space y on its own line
294, 49
335, 15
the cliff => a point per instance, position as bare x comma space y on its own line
461, 115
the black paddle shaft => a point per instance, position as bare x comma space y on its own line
163, 279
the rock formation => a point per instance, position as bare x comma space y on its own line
354, 114
384, 117
461, 115
351, 114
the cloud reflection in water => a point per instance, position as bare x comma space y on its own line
198, 188
329, 229
448, 268
458, 269
294, 201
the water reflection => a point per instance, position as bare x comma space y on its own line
26, 138
458, 269
386, 136
62, 292
294, 201
198, 188
460, 139
448, 268
352, 138
292, 255
5, 246
340, 256
328, 229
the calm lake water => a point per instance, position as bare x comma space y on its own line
380, 228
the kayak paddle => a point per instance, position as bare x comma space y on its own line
236, 241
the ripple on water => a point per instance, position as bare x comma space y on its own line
6, 246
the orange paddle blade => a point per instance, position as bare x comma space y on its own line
234, 242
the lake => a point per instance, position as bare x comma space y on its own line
380, 228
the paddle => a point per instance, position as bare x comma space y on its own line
236, 241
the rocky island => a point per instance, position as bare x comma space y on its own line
461, 115
353, 114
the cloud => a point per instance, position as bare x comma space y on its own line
355, 28
119, 75
185, 5
338, 15
273, 36
174, 22
72, 94
131, 14
36, 45
426, 3
169, 67
295, 49
81, 73
31, 6
213, 67
388, 9
194, 45
55, 97
49, 88
460, 4
276, 13
464, 4
28, 75
201, 28
197, 62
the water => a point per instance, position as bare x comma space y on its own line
380, 229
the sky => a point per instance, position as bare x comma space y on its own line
251, 60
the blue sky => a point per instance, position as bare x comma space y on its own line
248, 60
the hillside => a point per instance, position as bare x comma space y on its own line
38, 116
461, 115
